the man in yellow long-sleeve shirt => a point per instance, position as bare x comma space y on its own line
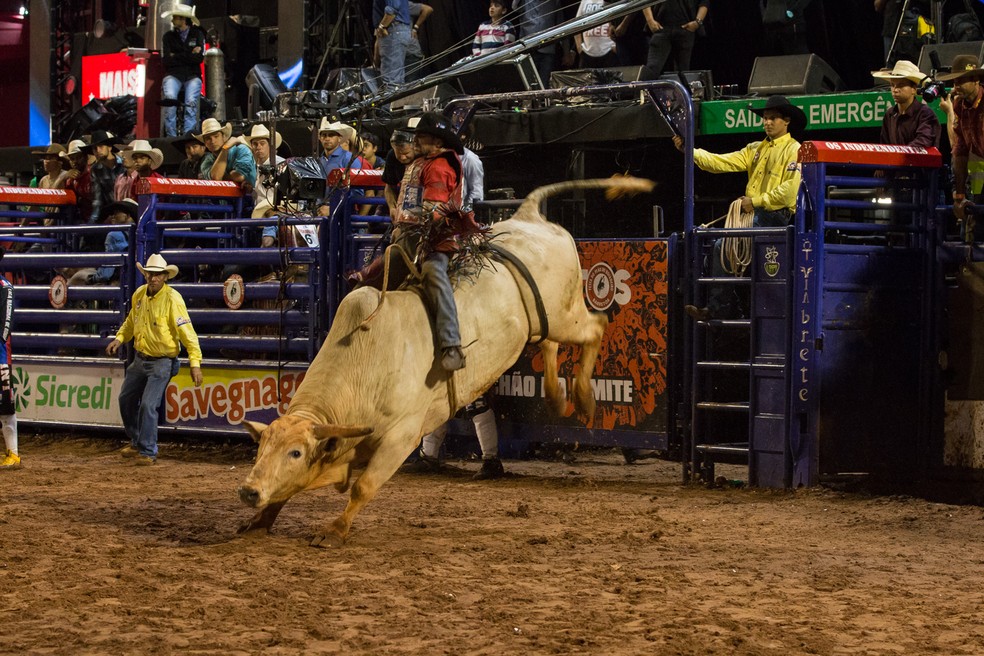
773, 183
158, 323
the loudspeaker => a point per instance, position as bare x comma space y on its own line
700, 83
946, 53
439, 93
352, 84
264, 86
793, 75
516, 74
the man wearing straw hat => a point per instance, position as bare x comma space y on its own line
56, 165
967, 134
227, 158
184, 52
265, 154
909, 122
158, 324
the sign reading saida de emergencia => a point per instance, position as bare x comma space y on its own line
835, 111
628, 281
69, 394
229, 396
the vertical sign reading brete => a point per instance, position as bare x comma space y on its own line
628, 281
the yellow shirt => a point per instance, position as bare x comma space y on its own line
773, 174
157, 323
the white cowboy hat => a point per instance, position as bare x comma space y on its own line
261, 208
156, 264
77, 147
211, 125
260, 131
345, 131
179, 9
904, 70
142, 147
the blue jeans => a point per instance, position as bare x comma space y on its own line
140, 400
393, 54
190, 94
440, 295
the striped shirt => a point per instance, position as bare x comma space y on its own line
491, 36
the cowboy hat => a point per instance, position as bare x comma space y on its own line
142, 147
962, 66
260, 131
904, 70
157, 264
185, 11
183, 140
261, 208
76, 147
102, 138
54, 149
438, 125
797, 119
343, 130
211, 125
128, 206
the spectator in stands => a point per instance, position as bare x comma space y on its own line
965, 105
773, 182
106, 169
143, 160
264, 199
80, 179
56, 166
370, 148
193, 149
227, 158
595, 48
331, 136
631, 43
675, 25
497, 31
392, 18
158, 324
482, 416
472, 178
535, 16
413, 65
909, 122
183, 54
784, 22
8, 409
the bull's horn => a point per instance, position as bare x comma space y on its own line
334, 430
255, 429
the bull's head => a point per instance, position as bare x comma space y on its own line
296, 454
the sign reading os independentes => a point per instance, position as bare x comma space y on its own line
823, 112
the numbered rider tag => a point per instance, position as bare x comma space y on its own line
308, 234
58, 292
234, 292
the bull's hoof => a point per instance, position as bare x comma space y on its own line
252, 527
327, 540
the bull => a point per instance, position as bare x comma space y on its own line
375, 387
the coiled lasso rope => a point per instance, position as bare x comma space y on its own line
737, 250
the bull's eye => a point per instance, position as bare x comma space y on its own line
295, 454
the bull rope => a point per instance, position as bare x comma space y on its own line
736, 252
414, 271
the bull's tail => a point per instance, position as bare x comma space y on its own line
616, 186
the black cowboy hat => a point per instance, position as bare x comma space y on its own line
187, 137
102, 137
796, 116
438, 125
128, 206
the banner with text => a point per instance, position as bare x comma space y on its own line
823, 112
68, 394
628, 281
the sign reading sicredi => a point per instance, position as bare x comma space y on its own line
824, 112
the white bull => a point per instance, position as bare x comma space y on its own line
375, 387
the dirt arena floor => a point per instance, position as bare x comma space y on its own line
584, 557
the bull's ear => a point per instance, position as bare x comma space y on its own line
328, 446
334, 430
255, 429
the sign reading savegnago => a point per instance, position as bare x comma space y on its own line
823, 112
